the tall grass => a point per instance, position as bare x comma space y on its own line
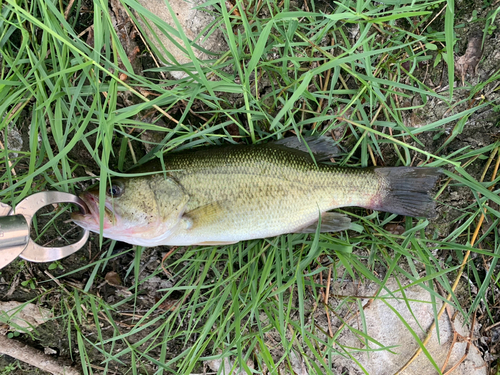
353, 68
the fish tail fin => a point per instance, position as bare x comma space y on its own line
406, 191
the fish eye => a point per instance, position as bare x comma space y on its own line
115, 190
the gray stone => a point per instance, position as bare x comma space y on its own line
23, 317
192, 21
384, 325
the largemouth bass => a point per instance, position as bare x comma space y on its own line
223, 195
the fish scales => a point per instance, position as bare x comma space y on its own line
263, 190
228, 194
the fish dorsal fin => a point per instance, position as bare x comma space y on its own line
322, 148
330, 222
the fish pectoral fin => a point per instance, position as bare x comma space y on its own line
330, 222
204, 215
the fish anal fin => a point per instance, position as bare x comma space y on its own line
215, 243
330, 222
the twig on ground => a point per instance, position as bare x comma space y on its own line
456, 336
33, 357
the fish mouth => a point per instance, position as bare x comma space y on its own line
91, 220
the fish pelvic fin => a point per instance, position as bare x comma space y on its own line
405, 191
330, 222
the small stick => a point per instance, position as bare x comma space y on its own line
10, 163
455, 336
165, 257
68, 9
327, 294
467, 349
33, 357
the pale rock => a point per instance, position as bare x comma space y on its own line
23, 317
192, 21
384, 326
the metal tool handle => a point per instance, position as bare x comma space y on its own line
14, 235
14, 231
29, 206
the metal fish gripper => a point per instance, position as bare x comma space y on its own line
15, 226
